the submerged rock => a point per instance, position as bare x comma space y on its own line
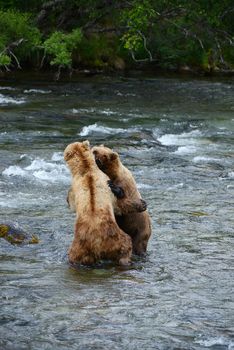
15, 235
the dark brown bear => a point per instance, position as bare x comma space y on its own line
137, 224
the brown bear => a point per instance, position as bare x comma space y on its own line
120, 208
97, 235
137, 224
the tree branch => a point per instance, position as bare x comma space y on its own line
8, 50
145, 47
16, 59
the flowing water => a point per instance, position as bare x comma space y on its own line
176, 136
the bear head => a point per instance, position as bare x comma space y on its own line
106, 159
78, 157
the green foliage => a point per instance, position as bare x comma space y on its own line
179, 32
138, 21
132, 41
170, 33
139, 15
5, 60
60, 47
16, 27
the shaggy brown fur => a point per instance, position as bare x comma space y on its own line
137, 225
97, 235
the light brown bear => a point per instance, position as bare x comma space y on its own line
120, 208
97, 235
138, 224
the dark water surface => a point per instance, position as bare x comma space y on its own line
176, 136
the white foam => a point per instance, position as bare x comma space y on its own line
144, 186
47, 171
185, 150
179, 185
14, 170
189, 138
203, 159
95, 128
56, 175
37, 91
26, 156
74, 110
216, 341
93, 110
9, 100
38, 164
57, 156
9, 88
107, 112
129, 94
82, 110
8, 204
231, 174
41, 170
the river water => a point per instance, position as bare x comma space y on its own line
176, 136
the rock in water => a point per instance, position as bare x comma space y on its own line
15, 235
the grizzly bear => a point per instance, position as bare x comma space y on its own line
120, 208
97, 235
135, 224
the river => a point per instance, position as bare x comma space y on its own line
176, 136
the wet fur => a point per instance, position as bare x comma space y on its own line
135, 224
97, 235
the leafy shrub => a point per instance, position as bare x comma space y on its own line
60, 47
16, 27
180, 32
138, 20
5, 60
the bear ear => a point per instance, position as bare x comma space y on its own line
86, 144
68, 155
113, 156
102, 145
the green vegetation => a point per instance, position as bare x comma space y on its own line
18, 38
69, 34
60, 46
